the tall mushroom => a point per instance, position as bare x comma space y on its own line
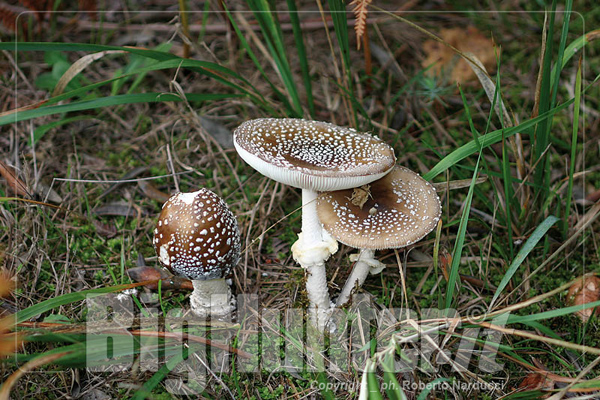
402, 208
314, 156
197, 237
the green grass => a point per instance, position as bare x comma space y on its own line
511, 241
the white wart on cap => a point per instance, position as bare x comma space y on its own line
197, 236
402, 209
312, 155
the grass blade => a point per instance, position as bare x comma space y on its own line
36, 362
535, 237
460, 239
68, 298
548, 98
524, 319
273, 37
464, 219
159, 375
541, 136
111, 101
325, 385
430, 386
340, 25
487, 140
393, 390
254, 59
575, 47
212, 70
50, 46
40, 131
573, 150
300, 48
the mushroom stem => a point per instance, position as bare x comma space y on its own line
313, 247
365, 264
310, 220
212, 298
318, 295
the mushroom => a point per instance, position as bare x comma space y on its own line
402, 208
197, 238
314, 156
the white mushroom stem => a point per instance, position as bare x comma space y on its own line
313, 247
365, 263
310, 221
212, 298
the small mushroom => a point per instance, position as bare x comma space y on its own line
402, 209
314, 156
197, 238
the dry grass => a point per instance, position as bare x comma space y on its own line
101, 229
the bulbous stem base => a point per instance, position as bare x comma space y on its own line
212, 298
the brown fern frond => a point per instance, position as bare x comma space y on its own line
360, 13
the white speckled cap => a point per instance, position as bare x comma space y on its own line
312, 155
402, 209
197, 236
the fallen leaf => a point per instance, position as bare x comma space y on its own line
107, 230
144, 273
152, 192
16, 185
445, 261
447, 64
46, 193
476, 282
118, 208
546, 381
222, 135
594, 196
95, 394
77, 67
458, 184
536, 381
361, 195
585, 290
141, 274
140, 262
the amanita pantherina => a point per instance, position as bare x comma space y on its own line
197, 237
314, 156
401, 210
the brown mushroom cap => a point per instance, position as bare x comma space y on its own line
197, 236
402, 209
312, 155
